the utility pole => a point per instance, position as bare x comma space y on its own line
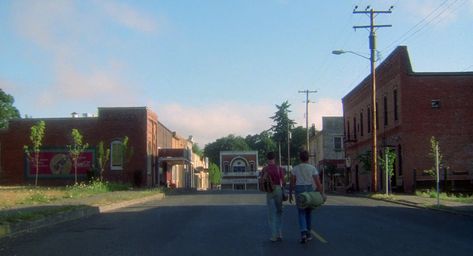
372, 41
307, 115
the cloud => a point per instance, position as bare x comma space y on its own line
128, 16
209, 122
70, 33
434, 13
321, 107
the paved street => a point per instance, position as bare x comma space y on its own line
227, 223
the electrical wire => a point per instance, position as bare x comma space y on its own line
424, 22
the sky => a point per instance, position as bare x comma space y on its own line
211, 68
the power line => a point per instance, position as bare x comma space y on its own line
424, 22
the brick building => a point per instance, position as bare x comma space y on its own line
146, 137
411, 108
239, 170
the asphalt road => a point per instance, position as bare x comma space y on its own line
227, 223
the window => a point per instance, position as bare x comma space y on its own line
361, 123
377, 116
435, 103
385, 103
337, 143
369, 119
225, 167
348, 130
395, 105
354, 128
116, 158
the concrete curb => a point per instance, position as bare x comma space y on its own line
420, 206
82, 211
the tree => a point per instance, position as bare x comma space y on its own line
229, 143
434, 148
298, 143
76, 149
36, 137
282, 125
103, 156
127, 151
387, 162
215, 175
263, 143
7, 110
197, 150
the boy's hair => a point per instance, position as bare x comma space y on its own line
304, 156
270, 155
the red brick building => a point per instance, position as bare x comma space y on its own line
239, 170
412, 107
140, 124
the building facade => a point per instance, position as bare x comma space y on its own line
329, 156
239, 169
139, 166
412, 107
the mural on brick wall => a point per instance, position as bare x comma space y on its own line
58, 162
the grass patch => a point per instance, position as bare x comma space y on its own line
30, 215
93, 188
382, 196
31, 195
462, 198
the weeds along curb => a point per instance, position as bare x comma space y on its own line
443, 208
80, 211
10, 229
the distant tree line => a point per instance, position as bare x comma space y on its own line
272, 139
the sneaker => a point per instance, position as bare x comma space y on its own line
309, 235
303, 240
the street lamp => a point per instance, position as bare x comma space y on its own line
340, 52
374, 128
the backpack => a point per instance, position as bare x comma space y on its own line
265, 184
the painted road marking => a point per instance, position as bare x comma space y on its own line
321, 239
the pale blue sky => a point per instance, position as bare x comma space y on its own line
210, 68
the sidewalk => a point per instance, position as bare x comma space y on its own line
67, 210
453, 207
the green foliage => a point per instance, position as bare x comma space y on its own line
103, 156
229, 143
434, 144
94, 187
391, 154
298, 143
263, 143
197, 150
215, 174
282, 125
7, 110
36, 137
128, 151
463, 198
77, 147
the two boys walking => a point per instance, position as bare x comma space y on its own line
304, 178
